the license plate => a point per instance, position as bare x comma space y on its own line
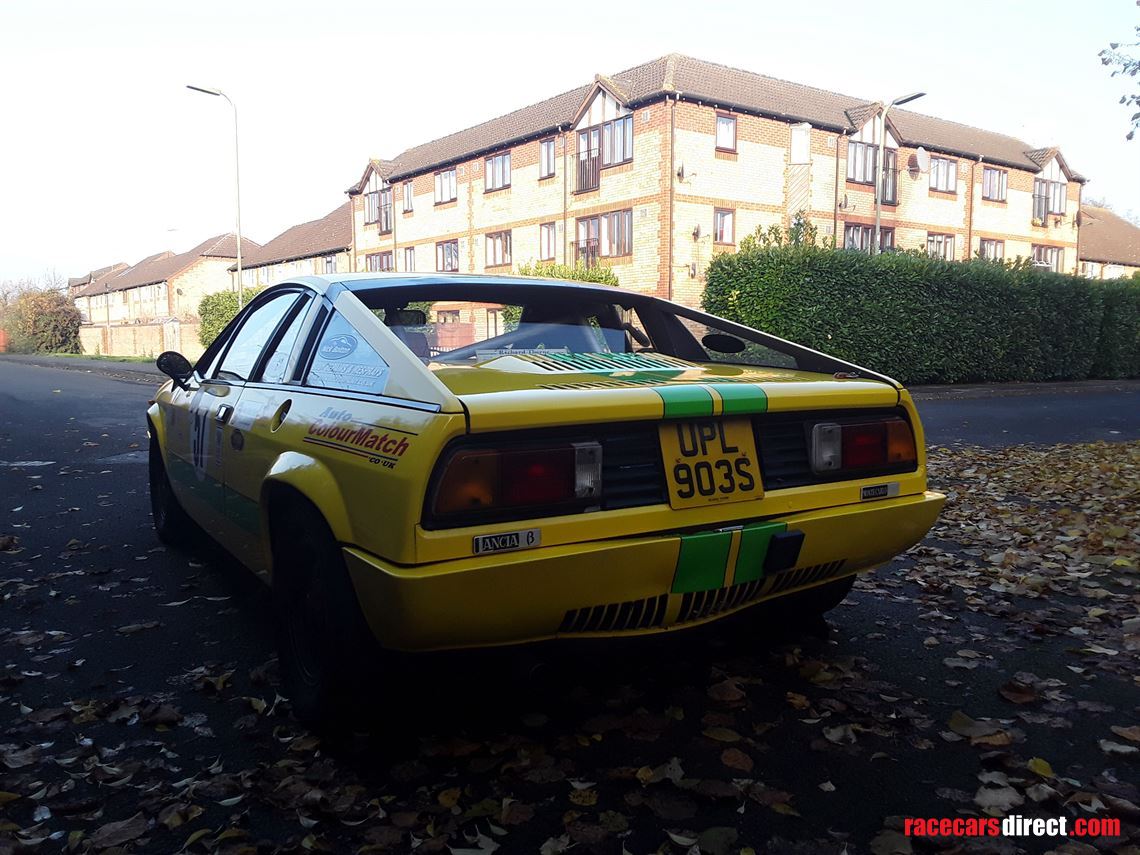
710, 462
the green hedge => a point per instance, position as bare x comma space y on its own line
217, 310
924, 320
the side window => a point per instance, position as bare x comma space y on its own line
253, 336
343, 360
278, 362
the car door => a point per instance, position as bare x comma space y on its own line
254, 442
213, 439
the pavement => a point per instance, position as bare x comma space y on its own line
99, 618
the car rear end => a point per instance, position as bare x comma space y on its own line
637, 502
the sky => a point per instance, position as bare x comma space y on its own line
105, 156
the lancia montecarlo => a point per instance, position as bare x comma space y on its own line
426, 462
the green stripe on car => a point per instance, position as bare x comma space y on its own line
701, 561
754, 540
741, 399
686, 402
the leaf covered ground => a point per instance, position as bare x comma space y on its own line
992, 669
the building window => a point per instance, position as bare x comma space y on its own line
372, 202
447, 256
1049, 197
1090, 269
498, 249
330, 264
604, 236
994, 250
994, 183
861, 159
546, 158
409, 258
546, 242
408, 196
723, 225
497, 172
940, 246
889, 189
445, 186
386, 210
447, 316
589, 160
944, 174
725, 132
617, 141
862, 238
1051, 257
378, 261
494, 322
801, 143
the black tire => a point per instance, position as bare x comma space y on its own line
171, 523
325, 649
814, 602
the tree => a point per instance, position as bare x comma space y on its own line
1125, 63
42, 320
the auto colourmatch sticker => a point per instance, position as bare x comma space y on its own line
378, 444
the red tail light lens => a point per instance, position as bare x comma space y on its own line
864, 445
537, 477
487, 480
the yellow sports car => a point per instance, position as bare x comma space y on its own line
433, 462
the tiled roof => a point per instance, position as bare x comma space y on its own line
163, 265
331, 233
699, 80
1108, 237
382, 167
76, 282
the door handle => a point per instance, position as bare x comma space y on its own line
223, 414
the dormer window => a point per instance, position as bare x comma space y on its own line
617, 141
372, 199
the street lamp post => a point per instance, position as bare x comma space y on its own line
879, 164
237, 178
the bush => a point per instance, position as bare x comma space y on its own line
42, 321
217, 310
579, 272
924, 320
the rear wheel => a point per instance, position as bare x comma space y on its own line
325, 648
171, 523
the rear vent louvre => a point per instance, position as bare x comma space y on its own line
632, 614
632, 474
604, 362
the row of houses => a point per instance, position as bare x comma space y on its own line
654, 171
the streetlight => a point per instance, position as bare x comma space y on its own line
905, 99
237, 179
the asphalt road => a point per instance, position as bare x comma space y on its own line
95, 610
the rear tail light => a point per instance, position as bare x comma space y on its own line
475, 481
860, 446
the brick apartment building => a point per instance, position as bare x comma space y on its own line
319, 246
655, 170
1110, 244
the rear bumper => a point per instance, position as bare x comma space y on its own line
621, 586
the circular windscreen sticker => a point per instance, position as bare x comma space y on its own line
338, 347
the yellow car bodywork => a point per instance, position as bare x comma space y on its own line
367, 466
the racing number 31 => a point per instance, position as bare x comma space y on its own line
710, 464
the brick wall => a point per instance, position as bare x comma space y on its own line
141, 339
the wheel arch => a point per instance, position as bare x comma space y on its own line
298, 476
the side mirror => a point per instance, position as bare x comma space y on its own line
175, 366
721, 343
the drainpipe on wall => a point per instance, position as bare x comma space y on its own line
392, 214
672, 185
352, 227
970, 209
565, 194
835, 204
1077, 221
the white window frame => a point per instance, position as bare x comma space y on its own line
409, 259
547, 161
445, 186
724, 124
498, 249
547, 241
724, 226
801, 143
497, 172
995, 184
944, 174
940, 245
992, 249
409, 197
444, 263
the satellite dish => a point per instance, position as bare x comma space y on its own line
922, 159
680, 172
